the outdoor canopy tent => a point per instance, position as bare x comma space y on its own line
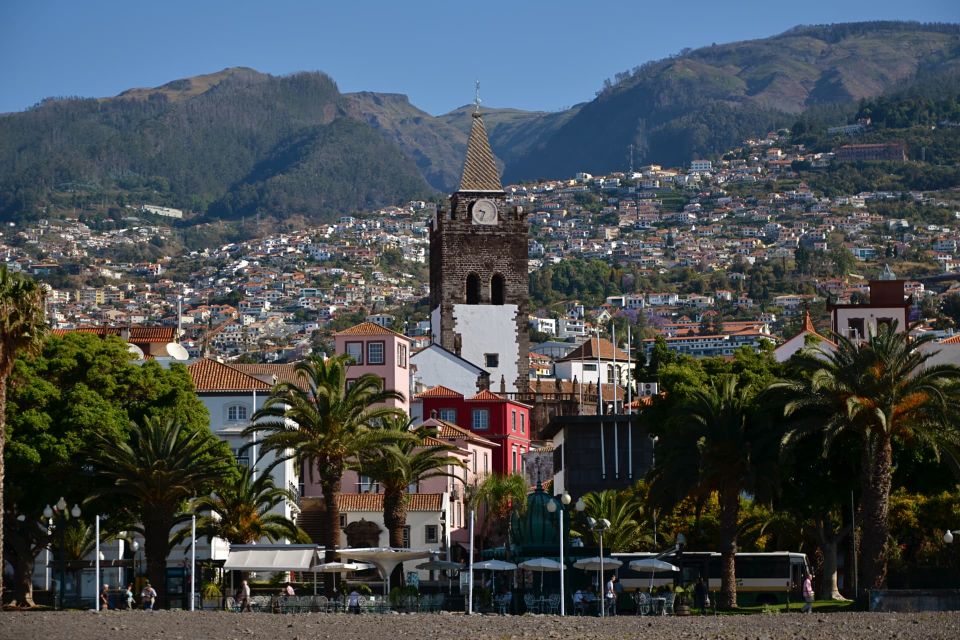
272, 557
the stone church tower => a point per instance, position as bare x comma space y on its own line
479, 284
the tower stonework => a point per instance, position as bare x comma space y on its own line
479, 284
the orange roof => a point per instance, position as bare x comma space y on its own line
281, 372
369, 329
439, 391
486, 396
133, 334
451, 431
374, 501
955, 339
210, 375
589, 349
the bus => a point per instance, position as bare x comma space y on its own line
773, 577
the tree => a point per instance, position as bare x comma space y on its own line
628, 530
405, 457
154, 473
239, 510
498, 495
322, 426
882, 390
717, 442
22, 326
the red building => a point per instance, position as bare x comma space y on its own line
494, 417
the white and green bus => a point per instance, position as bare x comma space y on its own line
762, 578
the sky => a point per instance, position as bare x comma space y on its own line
528, 54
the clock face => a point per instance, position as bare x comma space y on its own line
484, 212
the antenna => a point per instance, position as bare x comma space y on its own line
476, 98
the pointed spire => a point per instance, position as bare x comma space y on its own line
808, 322
480, 171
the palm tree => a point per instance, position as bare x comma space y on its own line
322, 427
627, 530
882, 390
406, 457
498, 496
717, 442
239, 511
22, 328
153, 474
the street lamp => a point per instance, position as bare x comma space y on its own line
552, 508
60, 509
948, 536
599, 526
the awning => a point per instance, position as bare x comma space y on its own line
286, 557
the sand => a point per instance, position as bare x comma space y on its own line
182, 625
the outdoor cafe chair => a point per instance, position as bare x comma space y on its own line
642, 600
554, 601
668, 603
533, 606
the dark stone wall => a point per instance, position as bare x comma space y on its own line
458, 248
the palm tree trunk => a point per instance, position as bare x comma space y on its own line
156, 546
729, 512
331, 527
395, 515
876, 511
830, 547
22, 581
3, 440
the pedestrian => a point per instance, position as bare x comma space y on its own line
611, 595
288, 590
105, 598
244, 599
807, 592
128, 597
700, 597
354, 602
147, 596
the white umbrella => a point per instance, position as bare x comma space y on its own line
542, 565
653, 566
342, 568
597, 564
495, 565
441, 565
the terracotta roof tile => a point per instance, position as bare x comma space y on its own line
210, 375
280, 372
588, 351
451, 431
133, 334
486, 396
439, 391
369, 329
955, 339
374, 502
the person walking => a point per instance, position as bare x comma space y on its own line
128, 597
147, 596
611, 595
354, 602
700, 597
244, 599
807, 591
105, 598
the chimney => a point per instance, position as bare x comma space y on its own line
433, 414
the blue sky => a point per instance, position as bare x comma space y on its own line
528, 54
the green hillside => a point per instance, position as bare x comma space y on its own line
702, 101
230, 143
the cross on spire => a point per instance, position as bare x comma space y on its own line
476, 98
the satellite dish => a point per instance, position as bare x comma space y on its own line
176, 351
135, 350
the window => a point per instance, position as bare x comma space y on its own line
491, 360
242, 456
343, 520
486, 467
513, 420
413, 487
375, 353
523, 423
355, 351
350, 383
610, 377
481, 419
497, 289
448, 415
402, 356
431, 534
366, 484
406, 537
523, 462
473, 289
236, 412
514, 455
589, 367
474, 462
855, 328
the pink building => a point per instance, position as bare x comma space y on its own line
379, 351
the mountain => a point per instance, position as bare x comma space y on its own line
706, 100
227, 144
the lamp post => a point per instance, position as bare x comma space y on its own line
60, 509
552, 508
599, 526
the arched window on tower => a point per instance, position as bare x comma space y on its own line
473, 289
498, 287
